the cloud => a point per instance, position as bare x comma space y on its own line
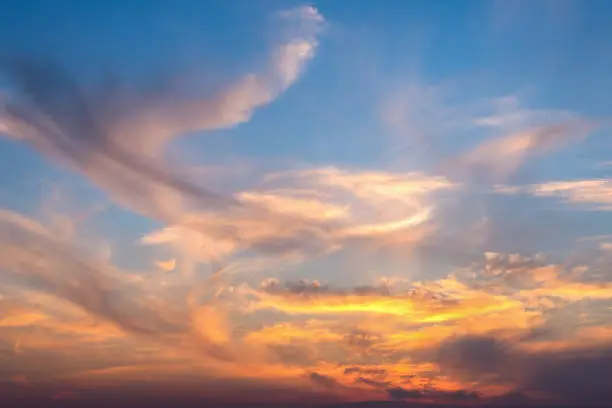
32, 253
402, 393
380, 333
500, 157
291, 57
580, 375
537, 281
434, 302
501, 325
126, 305
307, 288
590, 193
369, 371
474, 139
373, 383
323, 380
480, 353
167, 266
309, 213
373, 186
399, 393
116, 135
513, 298
441, 334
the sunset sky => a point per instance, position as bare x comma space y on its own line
272, 201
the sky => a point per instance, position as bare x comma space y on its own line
277, 202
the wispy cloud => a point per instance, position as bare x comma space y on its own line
116, 136
594, 194
481, 139
311, 213
498, 158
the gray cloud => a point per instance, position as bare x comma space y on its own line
323, 380
373, 383
399, 393
576, 376
361, 339
379, 372
314, 288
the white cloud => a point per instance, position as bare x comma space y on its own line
427, 120
606, 246
116, 136
594, 194
310, 213
501, 157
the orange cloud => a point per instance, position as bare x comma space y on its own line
370, 340
424, 304
167, 266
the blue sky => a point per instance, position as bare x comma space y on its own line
552, 52
315, 190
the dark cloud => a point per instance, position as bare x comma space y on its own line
305, 289
323, 380
212, 393
362, 339
373, 383
577, 376
291, 354
462, 395
315, 288
483, 355
402, 393
399, 393
368, 371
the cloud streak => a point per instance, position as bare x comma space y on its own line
501, 157
115, 136
590, 193
481, 140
